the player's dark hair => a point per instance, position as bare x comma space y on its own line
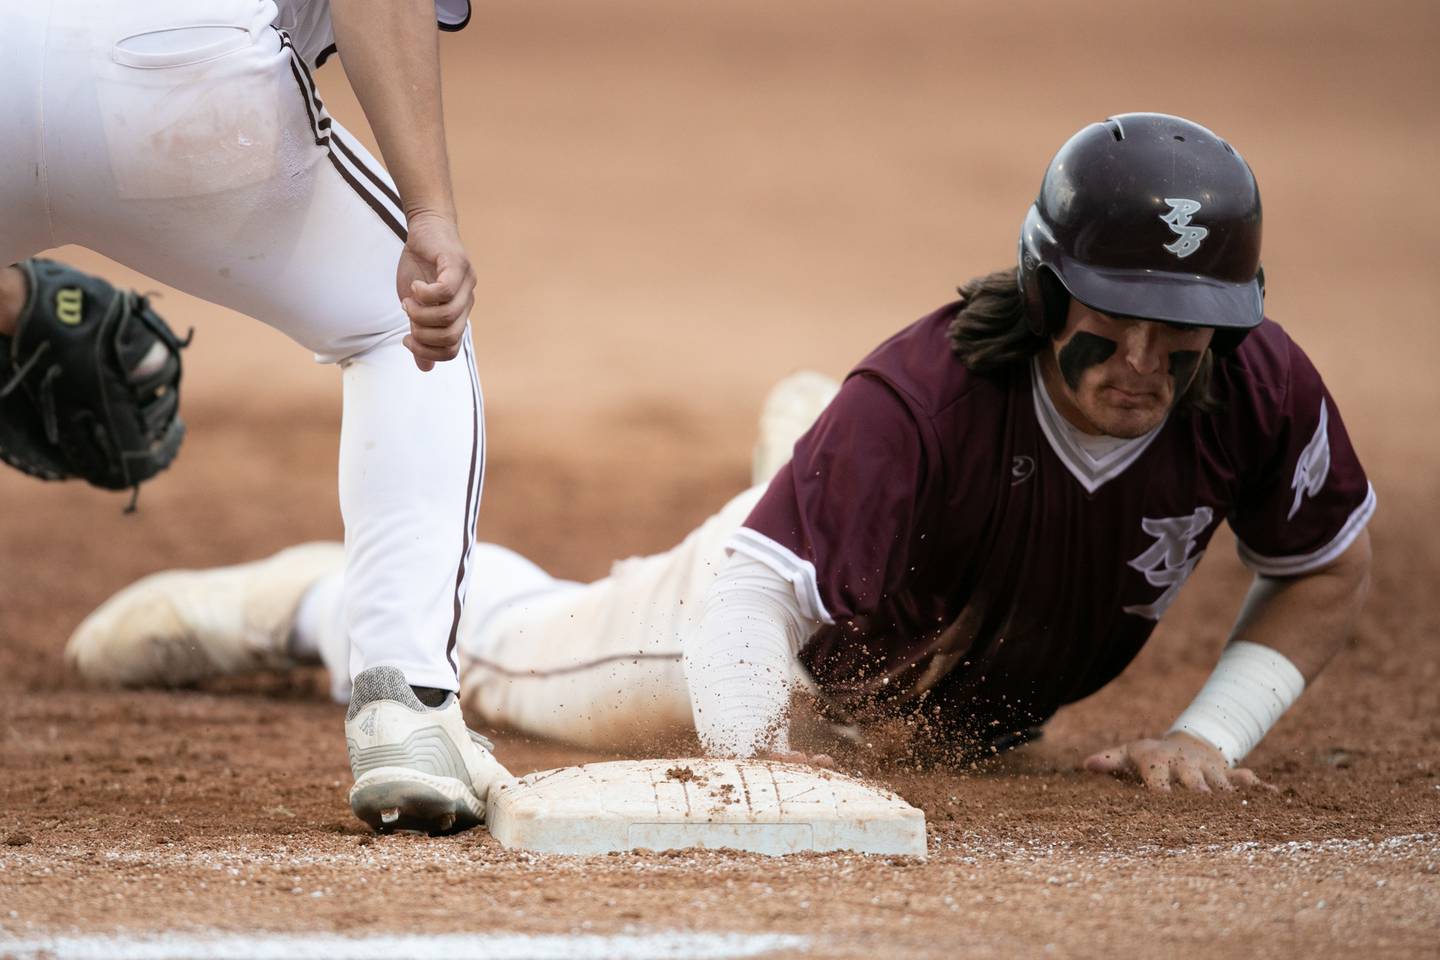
990, 332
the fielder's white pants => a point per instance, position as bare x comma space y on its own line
597, 665
184, 139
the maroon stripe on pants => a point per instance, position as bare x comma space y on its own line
472, 498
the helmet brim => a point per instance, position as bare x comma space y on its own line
1183, 298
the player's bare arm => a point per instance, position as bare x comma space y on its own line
12, 298
391, 56
1306, 620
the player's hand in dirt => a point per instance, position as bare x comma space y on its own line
822, 760
1178, 759
436, 285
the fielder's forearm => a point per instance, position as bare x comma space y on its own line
12, 298
391, 55
741, 666
1288, 630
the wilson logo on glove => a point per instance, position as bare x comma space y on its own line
70, 306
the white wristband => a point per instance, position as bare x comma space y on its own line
1251, 688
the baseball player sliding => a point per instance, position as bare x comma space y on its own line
986, 521
187, 139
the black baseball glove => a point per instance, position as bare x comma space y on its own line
89, 383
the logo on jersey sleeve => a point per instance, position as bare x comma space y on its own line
1178, 217
1170, 559
1313, 466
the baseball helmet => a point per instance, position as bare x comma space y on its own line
1150, 216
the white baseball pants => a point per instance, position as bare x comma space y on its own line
185, 139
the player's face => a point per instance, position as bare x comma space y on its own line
1119, 376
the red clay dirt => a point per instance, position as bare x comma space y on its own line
672, 205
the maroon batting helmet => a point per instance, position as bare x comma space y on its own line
1151, 216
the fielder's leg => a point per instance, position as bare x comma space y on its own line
303, 236
192, 145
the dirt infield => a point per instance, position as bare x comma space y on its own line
673, 205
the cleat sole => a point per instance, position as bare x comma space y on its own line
391, 799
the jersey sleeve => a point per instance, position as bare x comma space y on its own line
1306, 498
838, 520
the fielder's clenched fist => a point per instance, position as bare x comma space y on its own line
436, 285
1178, 759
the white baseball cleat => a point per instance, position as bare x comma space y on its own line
790, 408
181, 626
416, 767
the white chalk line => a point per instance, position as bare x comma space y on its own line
459, 946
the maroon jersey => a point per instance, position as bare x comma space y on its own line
966, 555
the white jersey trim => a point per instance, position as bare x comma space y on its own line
1309, 562
780, 558
1093, 472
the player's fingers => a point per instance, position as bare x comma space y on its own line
795, 756
450, 281
441, 336
441, 316
427, 356
430, 354
433, 294
1113, 760
423, 364
1218, 778
453, 273
441, 328
1247, 779
1154, 770
782, 756
1191, 777
433, 351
